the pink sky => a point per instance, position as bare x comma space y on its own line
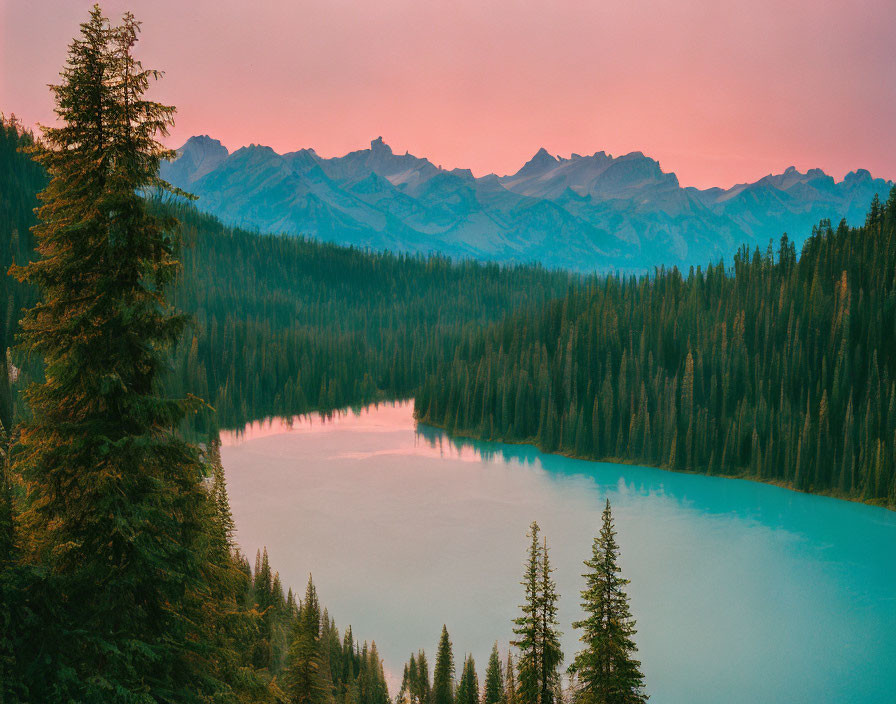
718, 91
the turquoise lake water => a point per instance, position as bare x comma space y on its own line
743, 592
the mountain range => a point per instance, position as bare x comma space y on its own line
595, 212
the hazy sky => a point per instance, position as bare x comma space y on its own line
718, 91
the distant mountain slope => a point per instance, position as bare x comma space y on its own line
583, 213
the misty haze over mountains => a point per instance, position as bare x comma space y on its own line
582, 213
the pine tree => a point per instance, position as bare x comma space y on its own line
404, 693
11, 585
423, 688
378, 692
606, 668
527, 627
307, 679
443, 675
264, 583
494, 679
225, 621
538, 639
510, 686
114, 498
468, 687
551, 654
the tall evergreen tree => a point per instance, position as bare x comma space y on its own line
307, 678
468, 687
494, 679
423, 687
551, 654
378, 692
114, 494
443, 675
606, 669
510, 685
538, 639
408, 692
527, 626
415, 684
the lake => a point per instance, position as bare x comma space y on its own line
742, 592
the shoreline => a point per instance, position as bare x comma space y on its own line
335, 413
831, 494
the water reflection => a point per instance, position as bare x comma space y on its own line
744, 592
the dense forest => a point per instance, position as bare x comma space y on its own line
285, 325
779, 368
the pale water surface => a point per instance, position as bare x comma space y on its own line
743, 592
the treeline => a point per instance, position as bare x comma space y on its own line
777, 369
285, 325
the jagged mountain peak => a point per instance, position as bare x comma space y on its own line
378, 145
541, 161
198, 156
203, 141
254, 151
857, 176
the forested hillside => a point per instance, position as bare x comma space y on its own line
284, 325
778, 369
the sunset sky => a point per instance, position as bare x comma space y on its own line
718, 92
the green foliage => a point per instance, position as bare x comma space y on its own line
606, 668
527, 626
307, 679
285, 326
114, 501
511, 692
551, 654
538, 639
494, 679
20, 180
777, 369
415, 684
443, 676
116, 536
468, 687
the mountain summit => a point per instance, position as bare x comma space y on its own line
582, 212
